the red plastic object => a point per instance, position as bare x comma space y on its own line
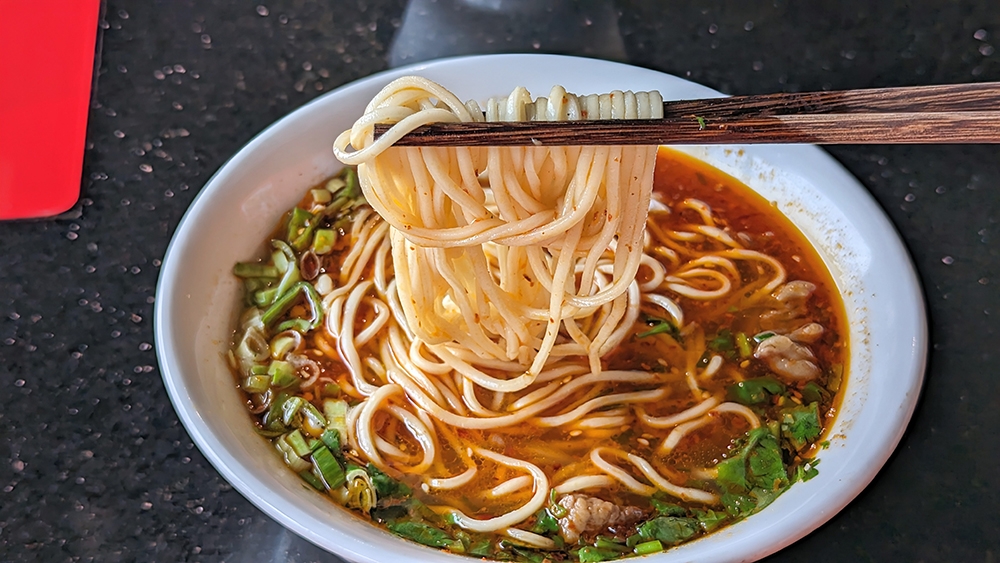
46, 68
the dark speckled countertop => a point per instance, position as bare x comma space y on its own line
94, 464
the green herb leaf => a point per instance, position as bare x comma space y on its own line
545, 523
709, 520
754, 391
667, 508
670, 530
481, 548
386, 486
732, 473
723, 342
766, 468
591, 554
800, 425
420, 533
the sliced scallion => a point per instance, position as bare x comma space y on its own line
312, 421
323, 241
297, 443
256, 383
255, 270
743, 345
292, 459
328, 468
291, 408
336, 415
308, 477
647, 547
282, 374
320, 195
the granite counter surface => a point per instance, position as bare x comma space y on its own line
94, 464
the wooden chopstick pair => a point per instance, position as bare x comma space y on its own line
954, 113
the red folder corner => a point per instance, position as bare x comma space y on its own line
46, 69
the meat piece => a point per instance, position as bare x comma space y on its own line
807, 333
797, 290
788, 306
589, 515
788, 358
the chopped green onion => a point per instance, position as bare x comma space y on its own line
360, 490
281, 346
282, 374
259, 369
604, 542
300, 228
660, 327
272, 419
320, 195
292, 459
323, 241
351, 183
265, 297
331, 389
255, 270
743, 345
297, 443
647, 547
280, 260
256, 384
333, 185
758, 338
308, 477
590, 554
328, 468
336, 415
291, 269
283, 303
331, 439
291, 408
312, 421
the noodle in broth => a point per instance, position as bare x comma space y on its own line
516, 350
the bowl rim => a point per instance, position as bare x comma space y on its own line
343, 544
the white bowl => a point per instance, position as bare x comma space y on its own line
197, 299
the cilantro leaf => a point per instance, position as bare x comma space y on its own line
732, 473
421, 533
667, 508
670, 530
800, 425
709, 520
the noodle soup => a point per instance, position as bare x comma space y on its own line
713, 401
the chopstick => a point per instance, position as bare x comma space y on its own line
954, 113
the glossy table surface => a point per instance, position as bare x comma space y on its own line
94, 464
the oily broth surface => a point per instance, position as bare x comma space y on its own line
561, 453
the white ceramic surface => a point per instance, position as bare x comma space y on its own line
197, 298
